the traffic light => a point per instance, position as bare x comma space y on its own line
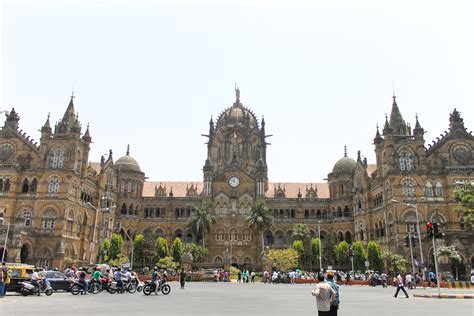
351, 253
429, 229
407, 241
437, 230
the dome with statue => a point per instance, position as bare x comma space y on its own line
127, 163
237, 115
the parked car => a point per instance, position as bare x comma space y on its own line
59, 282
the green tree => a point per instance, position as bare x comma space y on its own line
201, 220
374, 256
177, 249
465, 198
299, 247
395, 263
105, 250
116, 246
138, 248
260, 218
166, 263
314, 253
161, 248
198, 252
301, 232
342, 254
283, 259
359, 255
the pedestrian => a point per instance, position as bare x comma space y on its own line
252, 276
335, 287
325, 295
3, 278
348, 279
182, 278
400, 286
239, 276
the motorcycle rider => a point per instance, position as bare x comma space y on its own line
35, 279
96, 276
83, 281
118, 278
155, 278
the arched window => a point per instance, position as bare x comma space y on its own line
53, 184
48, 219
347, 212
429, 189
44, 257
218, 260
25, 188
56, 160
306, 214
26, 216
348, 237
219, 235
34, 185
405, 159
409, 187
439, 190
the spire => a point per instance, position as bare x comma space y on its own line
87, 134
69, 118
128, 150
211, 126
46, 127
378, 137
386, 128
345, 151
396, 120
263, 125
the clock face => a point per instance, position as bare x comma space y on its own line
234, 182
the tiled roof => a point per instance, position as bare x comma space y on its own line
179, 188
96, 166
371, 168
291, 189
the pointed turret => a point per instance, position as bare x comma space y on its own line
378, 138
386, 128
46, 129
69, 116
87, 135
211, 127
262, 129
418, 130
76, 128
396, 120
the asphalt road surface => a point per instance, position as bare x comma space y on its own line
235, 299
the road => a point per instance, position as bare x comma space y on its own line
234, 299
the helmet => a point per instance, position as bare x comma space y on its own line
98, 268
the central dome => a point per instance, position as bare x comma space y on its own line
237, 115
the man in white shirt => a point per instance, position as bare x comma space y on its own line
325, 295
35, 278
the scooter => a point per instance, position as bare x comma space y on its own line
29, 289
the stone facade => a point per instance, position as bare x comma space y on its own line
60, 205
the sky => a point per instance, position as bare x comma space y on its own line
322, 73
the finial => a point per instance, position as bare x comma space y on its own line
393, 89
49, 113
128, 150
345, 151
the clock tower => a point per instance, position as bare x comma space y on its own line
236, 156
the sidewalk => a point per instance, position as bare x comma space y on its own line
445, 294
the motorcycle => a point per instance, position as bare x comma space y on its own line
127, 287
150, 287
29, 289
77, 287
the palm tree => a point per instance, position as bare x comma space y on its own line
260, 218
201, 220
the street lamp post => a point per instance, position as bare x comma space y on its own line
319, 236
2, 220
417, 227
92, 244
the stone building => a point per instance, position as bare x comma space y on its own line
60, 205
